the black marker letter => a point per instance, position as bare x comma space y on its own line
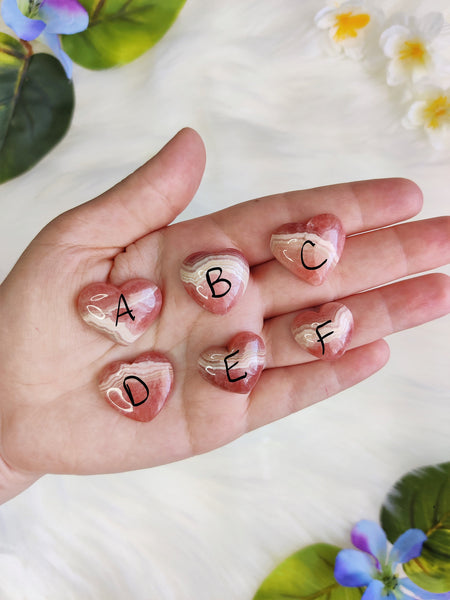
218, 280
127, 312
321, 338
228, 368
303, 262
129, 392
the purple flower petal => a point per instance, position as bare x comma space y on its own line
27, 29
407, 546
64, 16
353, 568
369, 537
54, 43
422, 594
374, 591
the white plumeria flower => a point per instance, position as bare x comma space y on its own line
431, 111
352, 25
410, 46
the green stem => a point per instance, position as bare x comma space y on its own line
439, 524
96, 11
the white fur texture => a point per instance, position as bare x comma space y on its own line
277, 112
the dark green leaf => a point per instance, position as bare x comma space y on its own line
12, 62
120, 30
421, 499
307, 575
36, 105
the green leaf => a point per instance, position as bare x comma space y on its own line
421, 499
36, 105
12, 59
120, 30
307, 575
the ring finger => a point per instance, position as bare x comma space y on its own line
376, 313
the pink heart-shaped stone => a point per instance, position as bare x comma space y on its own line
122, 313
138, 389
310, 250
216, 280
325, 331
236, 368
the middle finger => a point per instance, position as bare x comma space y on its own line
376, 313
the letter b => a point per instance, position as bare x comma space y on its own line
219, 279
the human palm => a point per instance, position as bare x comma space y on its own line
53, 418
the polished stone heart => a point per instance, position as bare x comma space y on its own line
325, 331
236, 368
138, 389
216, 280
122, 313
310, 250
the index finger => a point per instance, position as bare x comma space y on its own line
361, 206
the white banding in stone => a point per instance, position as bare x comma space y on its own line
212, 362
120, 332
195, 274
147, 371
306, 334
292, 243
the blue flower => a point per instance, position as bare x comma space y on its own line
375, 567
49, 18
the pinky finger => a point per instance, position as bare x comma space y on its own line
285, 390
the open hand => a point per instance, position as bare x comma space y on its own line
52, 417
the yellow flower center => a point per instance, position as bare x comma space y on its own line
437, 112
413, 51
347, 25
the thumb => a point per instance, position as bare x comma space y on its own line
145, 201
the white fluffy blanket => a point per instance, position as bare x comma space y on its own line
277, 112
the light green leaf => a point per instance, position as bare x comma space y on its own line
120, 30
421, 499
36, 105
307, 575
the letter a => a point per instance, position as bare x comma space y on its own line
128, 311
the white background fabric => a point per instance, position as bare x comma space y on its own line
277, 112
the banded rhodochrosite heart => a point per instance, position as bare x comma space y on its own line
236, 368
216, 280
310, 250
122, 313
325, 331
138, 389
